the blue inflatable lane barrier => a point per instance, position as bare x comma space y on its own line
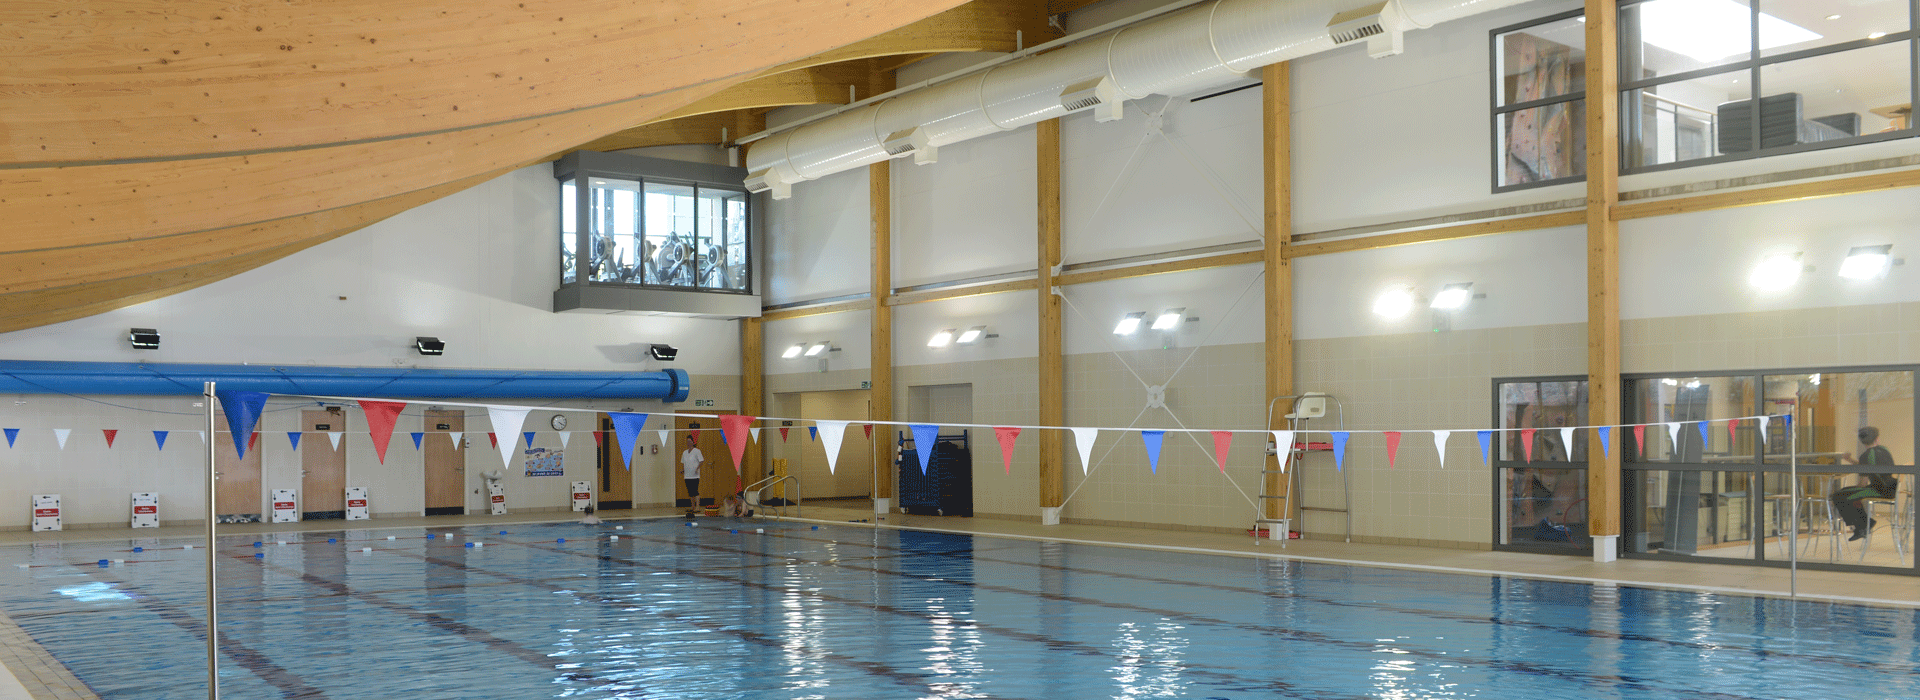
167, 379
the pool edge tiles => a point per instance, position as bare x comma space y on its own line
34, 671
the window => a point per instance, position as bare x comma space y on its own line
652, 224
1704, 81
1542, 481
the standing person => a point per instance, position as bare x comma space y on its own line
690, 462
1847, 500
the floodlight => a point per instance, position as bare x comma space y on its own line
1393, 303
817, 348
794, 351
663, 352
1129, 324
1776, 273
972, 334
1453, 296
941, 339
144, 338
1867, 262
429, 346
1169, 318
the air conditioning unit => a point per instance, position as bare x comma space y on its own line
913, 141
1376, 24
1098, 93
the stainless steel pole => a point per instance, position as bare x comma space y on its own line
1793, 532
213, 617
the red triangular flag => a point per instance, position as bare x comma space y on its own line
494, 440
1006, 436
1526, 443
380, 418
1393, 446
110, 434
869, 429
1222, 441
1640, 439
1733, 441
783, 434
734, 428
253, 439
599, 438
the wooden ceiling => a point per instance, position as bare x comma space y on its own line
148, 147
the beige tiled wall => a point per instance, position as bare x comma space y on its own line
1842, 336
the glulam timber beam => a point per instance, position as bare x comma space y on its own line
712, 129
1603, 274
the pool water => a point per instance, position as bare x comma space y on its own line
705, 611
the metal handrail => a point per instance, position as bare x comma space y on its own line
763, 484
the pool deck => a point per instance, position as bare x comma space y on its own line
36, 675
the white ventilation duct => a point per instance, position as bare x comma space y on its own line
1185, 51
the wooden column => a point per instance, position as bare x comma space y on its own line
1052, 369
1276, 128
880, 398
753, 393
1603, 268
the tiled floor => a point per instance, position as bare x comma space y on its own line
44, 678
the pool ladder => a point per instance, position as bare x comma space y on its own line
752, 493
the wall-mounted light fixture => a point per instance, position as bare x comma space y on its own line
144, 338
662, 352
1453, 296
427, 345
1867, 262
1393, 303
1130, 323
794, 351
1169, 319
1776, 272
941, 339
816, 349
972, 335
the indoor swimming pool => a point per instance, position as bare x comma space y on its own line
743, 609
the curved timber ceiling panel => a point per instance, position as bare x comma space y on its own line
152, 146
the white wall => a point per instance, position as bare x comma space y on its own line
1531, 278
970, 214
817, 244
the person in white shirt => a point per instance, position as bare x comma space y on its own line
690, 462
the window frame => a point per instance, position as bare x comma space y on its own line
1499, 467
1499, 111
582, 167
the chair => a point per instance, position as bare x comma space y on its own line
1822, 521
1899, 519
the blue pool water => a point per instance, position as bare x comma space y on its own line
670, 611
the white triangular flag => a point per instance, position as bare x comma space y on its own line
1566, 442
1083, 438
1283, 445
61, 435
334, 436
756, 434
456, 435
506, 427
666, 439
202, 434
1673, 433
1440, 445
563, 438
1763, 427
831, 431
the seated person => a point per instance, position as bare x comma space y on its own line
736, 507
1847, 500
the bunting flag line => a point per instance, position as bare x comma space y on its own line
1283, 447
203, 436
813, 433
528, 435
293, 440
1703, 434
626, 432
1733, 438
733, 429
506, 420
1673, 433
1153, 438
565, 435
1640, 440
417, 439
1006, 436
1440, 445
243, 410
159, 439
666, 437
924, 436
1339, 450
1606, 440
253, 439
1393, 446
1763, 427
456, 437
599, 439
1222, 443
869, 428
334, 437
381, 415
1566, 442
1083, 438
110, 434
12, 434
830, 433
783, 434
755, 433
1486, 446
1526, 444
493, 440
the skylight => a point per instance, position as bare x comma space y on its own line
1711, 30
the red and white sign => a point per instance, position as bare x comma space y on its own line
286, 506
46, 512
146, 510
582, 495
357, 503
143, 510
497, 495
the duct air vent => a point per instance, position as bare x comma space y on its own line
757, 180
1374, 23
913, 141
1098, 93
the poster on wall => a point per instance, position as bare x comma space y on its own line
546, 462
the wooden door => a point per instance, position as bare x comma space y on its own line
445, 462
323, 468
614, 479
237, 486
717, 478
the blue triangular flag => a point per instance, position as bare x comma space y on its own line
243, 411
159, 439
1606, 439
923, 438
1153, 439
293, 437
1339, 449
626, 427
416, 440
1703, 434
529, 435
813, 433
11, 434
1486, 444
